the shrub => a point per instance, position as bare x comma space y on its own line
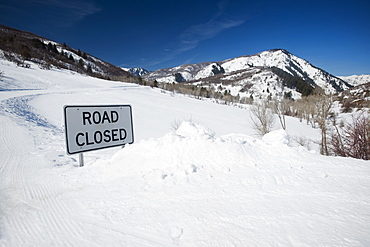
353, 140
262, 118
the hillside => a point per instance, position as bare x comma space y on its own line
355, 98
136, 71
23, 47
356, 80
196, 174
270, 73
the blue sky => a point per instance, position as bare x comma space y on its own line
332, 35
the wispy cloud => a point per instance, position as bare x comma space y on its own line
192, 36
70, 11
78, 9
190, 59
221, 8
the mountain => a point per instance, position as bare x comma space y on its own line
22, 47
276, 71
356, 80
205, 182
187, 72
273, 73
357, 97
136, 71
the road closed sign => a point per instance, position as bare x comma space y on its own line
90, 128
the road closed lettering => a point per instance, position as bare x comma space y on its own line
96, 127
99, 118
100, 136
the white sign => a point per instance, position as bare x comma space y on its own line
90, 128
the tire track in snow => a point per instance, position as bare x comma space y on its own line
10, 153
38, 212
12, 181
30, 208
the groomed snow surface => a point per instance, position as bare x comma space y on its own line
196, 175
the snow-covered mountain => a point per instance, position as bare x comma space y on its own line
291, 64
136, 71
357, 97
204, 182
181, 73
356, 80
277, 63
23, 47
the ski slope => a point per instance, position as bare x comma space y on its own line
197, 175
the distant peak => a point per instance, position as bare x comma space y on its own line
282, 50
271, 51
278, 49
139, 71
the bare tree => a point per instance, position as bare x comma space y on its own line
335, 141
322, 109
308, 109
262, 118
358, 137
281, 108
353, 140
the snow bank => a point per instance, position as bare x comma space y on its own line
208, 184
276, 137
189, 188
194, 130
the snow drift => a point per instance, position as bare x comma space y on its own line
207, 182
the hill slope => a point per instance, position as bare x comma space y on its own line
356, 80
207, 181
136, 71
22, 47
282, 69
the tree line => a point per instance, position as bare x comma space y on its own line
20, 47
350, 139
316, 109
294, 82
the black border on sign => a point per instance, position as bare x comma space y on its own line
81, 106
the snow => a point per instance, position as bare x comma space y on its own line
207, 71
356, 80
197, 175
136, 71
282, 60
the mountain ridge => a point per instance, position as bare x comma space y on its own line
138, 71
23, 46
279, 58
356, 80
271, 73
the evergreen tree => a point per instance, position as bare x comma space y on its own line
54, 49
25, 53
38, 44
89, 69
81, 62
50, 46
155, 83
